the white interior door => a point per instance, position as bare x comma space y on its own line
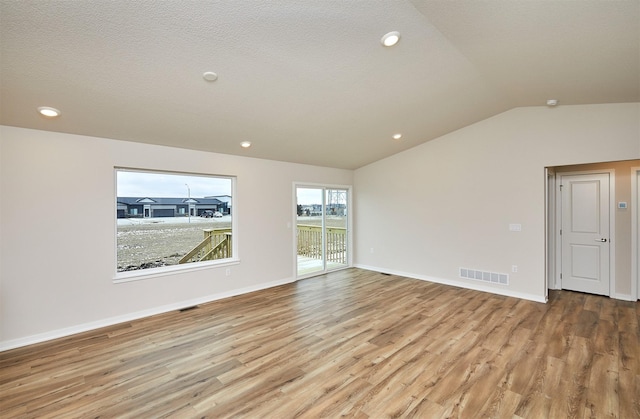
585, 238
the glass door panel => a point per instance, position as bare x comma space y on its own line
309, 224
336, 228
322, 229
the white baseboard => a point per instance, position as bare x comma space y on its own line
68, 331
460, 284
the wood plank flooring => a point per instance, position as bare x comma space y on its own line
352, 343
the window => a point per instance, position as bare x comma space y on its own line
172, 219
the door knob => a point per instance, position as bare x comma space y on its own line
601, 240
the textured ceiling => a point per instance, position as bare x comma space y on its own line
306, 81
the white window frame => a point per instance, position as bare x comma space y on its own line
141, 274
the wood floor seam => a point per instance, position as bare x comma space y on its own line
352, 343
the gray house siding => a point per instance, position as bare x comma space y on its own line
149, 207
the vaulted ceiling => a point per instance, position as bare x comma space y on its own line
306, 81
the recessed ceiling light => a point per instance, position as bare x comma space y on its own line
245, 144
397, 136
210, 76
48, 112
552, 102
390, 39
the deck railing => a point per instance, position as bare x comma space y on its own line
215, 245
310, 243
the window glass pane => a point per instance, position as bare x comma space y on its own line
167, 219
309, 230
336, 228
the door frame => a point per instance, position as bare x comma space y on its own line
557, 245
549, 229
635, 233
293, 223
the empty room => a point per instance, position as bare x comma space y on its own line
296, 208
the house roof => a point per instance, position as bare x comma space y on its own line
306, 81
167, 201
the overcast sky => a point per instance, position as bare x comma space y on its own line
309, 196
166, 185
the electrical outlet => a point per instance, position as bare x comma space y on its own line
228, 272
371, 251
514, 268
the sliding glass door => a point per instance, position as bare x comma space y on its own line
321, 229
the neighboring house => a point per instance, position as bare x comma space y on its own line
137, 207
226, 199
332, 209
312, 210
336, 209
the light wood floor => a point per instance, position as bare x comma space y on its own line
353, 343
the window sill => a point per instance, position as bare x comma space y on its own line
122, 277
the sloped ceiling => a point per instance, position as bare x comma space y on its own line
306, 81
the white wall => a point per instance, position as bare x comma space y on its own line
425, 212
448, 203
57, 246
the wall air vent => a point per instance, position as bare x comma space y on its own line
484, 276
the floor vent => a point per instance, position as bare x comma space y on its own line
494, 277
187, 309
